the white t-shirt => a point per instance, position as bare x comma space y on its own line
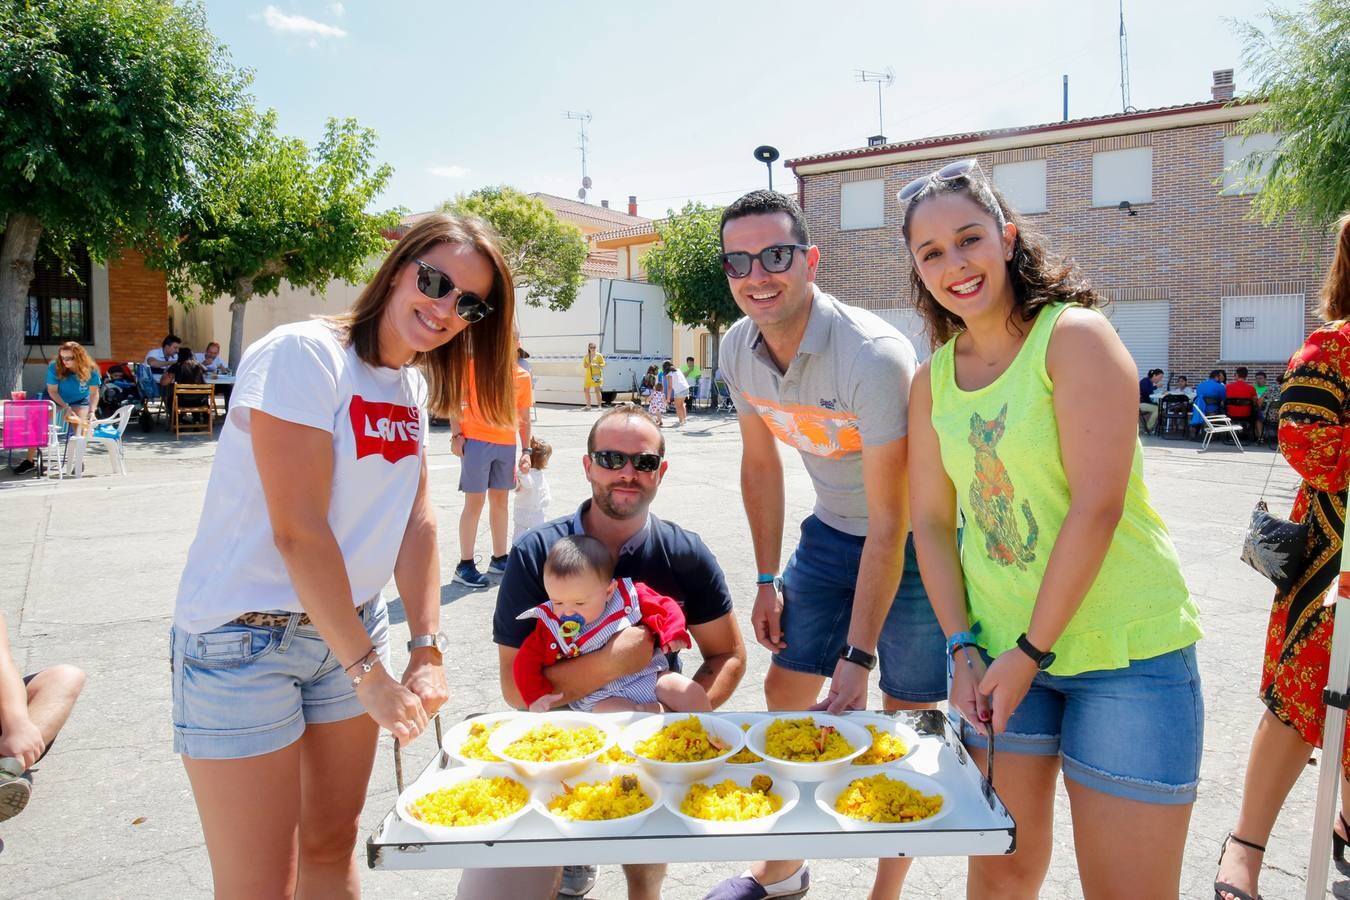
156, 359
677, 382
303, 373
214, 365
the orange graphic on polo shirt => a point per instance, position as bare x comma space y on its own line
811, 429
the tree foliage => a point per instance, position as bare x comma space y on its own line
544, 253
111, 111
687, 265
279, 210
1302, 66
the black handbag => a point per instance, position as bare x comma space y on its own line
1275, 547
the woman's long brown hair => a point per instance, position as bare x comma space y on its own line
489, 343
84, 364
1336, 289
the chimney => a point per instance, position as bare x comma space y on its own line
604, 204
632, 204
1222, 88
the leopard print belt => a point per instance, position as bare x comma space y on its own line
281, 620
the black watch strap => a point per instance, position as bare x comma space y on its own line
858, 657
1042, 658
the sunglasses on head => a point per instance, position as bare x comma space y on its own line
614, 460
435, 284
960, 169
775, 259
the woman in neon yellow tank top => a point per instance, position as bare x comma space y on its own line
1071, 630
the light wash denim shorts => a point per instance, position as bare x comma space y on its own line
1135, 732
246, 690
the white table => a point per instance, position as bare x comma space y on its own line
220, 379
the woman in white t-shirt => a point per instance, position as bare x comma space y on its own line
317, 497
677, 390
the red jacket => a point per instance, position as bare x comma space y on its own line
631, 604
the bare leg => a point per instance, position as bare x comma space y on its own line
51, 697
335, 763
891, 872
250, 812
497, 512
644, 881
492, 884
681, 694
1277, 758
1126, 848
679, 409
1026, 784
617, 704
468, 523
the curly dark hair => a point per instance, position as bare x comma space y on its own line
1038, 277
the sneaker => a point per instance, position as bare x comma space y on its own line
25, 467
467, 573
497, 565
747, 888
14, 795
577, 881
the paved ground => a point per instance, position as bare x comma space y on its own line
88, 572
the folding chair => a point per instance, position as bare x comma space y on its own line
206, 408
32, 425
109, 431
1217, 424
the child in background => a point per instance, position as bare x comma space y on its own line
586, 608
532, 490
655, 392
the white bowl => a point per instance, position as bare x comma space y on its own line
742, 775
575, 828
454, 738
445, 778
539, 771
741, 720
827, 792
858, 737
888, 725
678, 772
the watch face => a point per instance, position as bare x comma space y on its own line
1046, 661
442, 643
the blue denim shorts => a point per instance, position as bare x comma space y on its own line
487, 467
1135, 732
818, 586
246, 690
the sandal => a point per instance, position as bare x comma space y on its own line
1223, 887
1338, 843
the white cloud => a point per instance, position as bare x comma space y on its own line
283, 23
448, 171
337, 9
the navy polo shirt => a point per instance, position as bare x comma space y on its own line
663, 556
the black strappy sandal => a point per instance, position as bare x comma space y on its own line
1338, 843
1222, 887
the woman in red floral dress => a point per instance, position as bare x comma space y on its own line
1314, 433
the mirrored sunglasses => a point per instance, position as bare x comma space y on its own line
435, 284
614, 460
960, 169
775, 259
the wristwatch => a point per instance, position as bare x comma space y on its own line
858, 657
1043, 659
437, 640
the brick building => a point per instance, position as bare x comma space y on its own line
1146, 204
118, 311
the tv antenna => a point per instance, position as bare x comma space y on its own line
1124, 64
882, 79
584, 119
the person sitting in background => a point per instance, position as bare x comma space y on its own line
1182, 386
186, 370
73, 383
1270, 409
1209, 396
165, 354
1259, 382
1242, 389
1147, 385
211, 360
32, 710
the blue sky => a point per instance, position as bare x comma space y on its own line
464, 95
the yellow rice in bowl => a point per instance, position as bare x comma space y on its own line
601, 800
744, 756
474, 801
886, 747
682, 741
550, 743
802, 740
880, 798
475, 745
729, 802
615, 756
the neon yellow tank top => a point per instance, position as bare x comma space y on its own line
1000, 448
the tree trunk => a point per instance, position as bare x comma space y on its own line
243, 292
17, 253
715, 331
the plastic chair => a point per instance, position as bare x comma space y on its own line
31, 425
1215, 424
109, 431
206, 408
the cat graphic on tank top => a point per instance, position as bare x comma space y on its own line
992, 497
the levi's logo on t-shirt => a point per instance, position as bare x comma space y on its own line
388, 429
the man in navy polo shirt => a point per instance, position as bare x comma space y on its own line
625, 463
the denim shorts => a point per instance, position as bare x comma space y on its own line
1135, 732
818, 586
487, 467
246, 690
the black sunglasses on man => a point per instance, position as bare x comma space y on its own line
614, 460
775, 259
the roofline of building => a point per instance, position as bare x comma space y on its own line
1030, 136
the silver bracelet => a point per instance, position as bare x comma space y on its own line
365, 664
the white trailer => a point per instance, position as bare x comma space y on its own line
626, 319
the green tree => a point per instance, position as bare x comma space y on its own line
110, 111
1302, 70
545, 254
687, 265
278, 210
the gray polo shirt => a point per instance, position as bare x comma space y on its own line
847, 388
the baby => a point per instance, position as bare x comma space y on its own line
586, 608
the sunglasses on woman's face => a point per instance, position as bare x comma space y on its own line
435, 284
775, 259
614, 460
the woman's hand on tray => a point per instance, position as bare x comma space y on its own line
393, 707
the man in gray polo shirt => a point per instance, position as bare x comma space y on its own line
831, 381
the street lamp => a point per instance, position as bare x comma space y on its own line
766, 154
